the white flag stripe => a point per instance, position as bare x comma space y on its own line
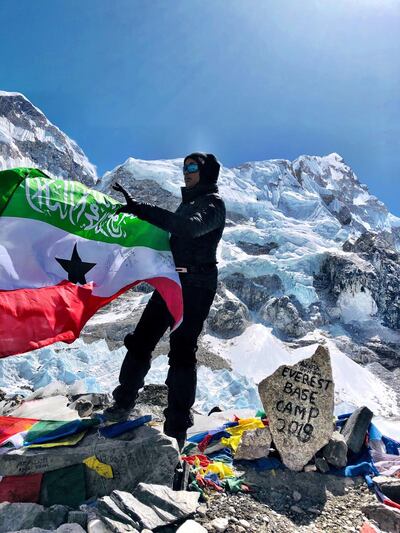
28, 251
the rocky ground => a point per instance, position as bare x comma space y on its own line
280, 501
287, 511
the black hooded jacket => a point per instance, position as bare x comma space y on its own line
196, 228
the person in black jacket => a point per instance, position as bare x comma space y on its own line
195, 230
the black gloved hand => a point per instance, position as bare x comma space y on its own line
131, 206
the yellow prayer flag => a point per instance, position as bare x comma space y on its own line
102, 469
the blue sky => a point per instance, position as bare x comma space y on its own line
245, 79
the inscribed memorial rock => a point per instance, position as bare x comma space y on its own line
298, 401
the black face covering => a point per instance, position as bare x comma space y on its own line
208, 166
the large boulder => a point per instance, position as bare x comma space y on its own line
254, 292
228, 316
142, 454
23, 516
284, 316
298, 401
150, 506
335, 452
254, 444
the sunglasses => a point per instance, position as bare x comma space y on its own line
190, 168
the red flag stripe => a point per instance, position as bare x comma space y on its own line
33, 318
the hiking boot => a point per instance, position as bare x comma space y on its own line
181, 476
116, 413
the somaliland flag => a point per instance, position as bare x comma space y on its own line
64, 254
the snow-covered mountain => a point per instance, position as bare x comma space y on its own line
289, 223
28, 139
308, 256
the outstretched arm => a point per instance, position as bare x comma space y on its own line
206, 219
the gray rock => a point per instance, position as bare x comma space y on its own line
99, 400
390, 486
254, 444
296, 509
252, 248
190, 526
78, 517
141, 454
321, 465
64, 528
254, 292
108, 507
153, 399
154, 506
335, 452
52, 517
284, 316
228, 316
70, 528
95, 525
165, 500
220, 524
140, 512
296, 496
84, 407
310, 468
355, 428
117, 527
298, 401
387, 518
16, 516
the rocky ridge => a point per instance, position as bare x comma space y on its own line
29, 139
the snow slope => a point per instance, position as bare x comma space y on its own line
253, 355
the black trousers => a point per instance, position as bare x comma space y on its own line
182, 375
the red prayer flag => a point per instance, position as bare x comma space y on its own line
11, 425
15, 489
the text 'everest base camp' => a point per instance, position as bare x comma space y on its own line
296, 421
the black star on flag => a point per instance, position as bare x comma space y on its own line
75, 267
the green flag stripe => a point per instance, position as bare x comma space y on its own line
73, 207
9, 181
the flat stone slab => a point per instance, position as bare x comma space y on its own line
166, 501
150, 506
138, 511
143, 454
299, 401
254, 444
